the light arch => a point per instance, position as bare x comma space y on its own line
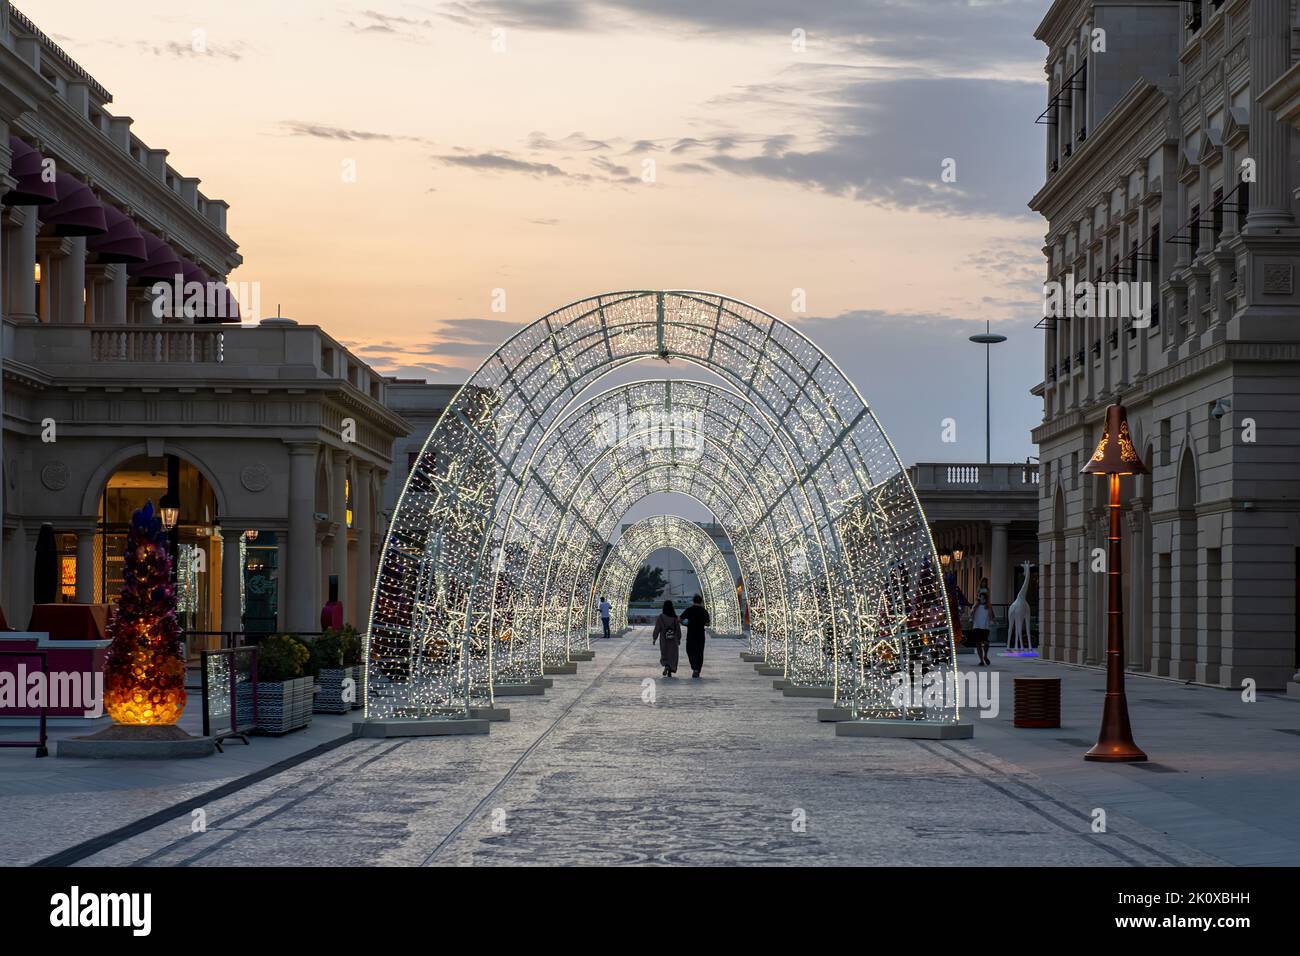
717, 583
436, 571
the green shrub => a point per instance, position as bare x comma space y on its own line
327, 652
281, 658
351, 646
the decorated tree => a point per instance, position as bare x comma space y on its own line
144, 676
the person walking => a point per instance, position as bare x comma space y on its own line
604, 615
669, 627
697, 619
981, 623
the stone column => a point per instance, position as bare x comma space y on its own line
72, 283
998, 571
232, 573
298, 599
86, 566
1270, 141
363, 511
21, 266
115, 297
50, 252
339, 518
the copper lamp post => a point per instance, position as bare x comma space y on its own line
1115, 456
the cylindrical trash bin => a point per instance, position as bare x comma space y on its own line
1038, 702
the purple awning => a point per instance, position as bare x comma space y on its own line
217, 298
77, 213
26, 167
162, 264
122, 243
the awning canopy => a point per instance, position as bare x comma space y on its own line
77, 213
122, 243
161, 265
25, 166
219, 303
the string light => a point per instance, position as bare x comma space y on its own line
717, 584
493, 552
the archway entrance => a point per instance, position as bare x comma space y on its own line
713, 578
196, 538
504, 524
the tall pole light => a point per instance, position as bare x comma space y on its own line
1115, 456
988, 340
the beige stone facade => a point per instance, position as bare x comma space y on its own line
275, 437
1164, 166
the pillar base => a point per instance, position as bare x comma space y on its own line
824, 693
543, 682
781, 684
750, 658
489, 713
420, 727
908, 729
582, 655
569, 668
770, 670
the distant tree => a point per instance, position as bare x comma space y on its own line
649, 583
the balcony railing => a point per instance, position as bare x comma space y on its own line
999, 476
158, 345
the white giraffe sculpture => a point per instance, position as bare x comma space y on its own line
1018, 619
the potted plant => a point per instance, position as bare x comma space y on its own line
327, 663
284, 688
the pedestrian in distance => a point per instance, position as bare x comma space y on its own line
980, 625
697, 619
604, 614
669, 627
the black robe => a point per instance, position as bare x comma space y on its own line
697, 619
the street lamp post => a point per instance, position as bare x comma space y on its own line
1115, 456
988, 340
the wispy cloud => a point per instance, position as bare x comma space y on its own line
341, 134
375, 22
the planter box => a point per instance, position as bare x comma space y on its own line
329, 691
281, 707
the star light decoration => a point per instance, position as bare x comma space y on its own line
717, 585
504, 524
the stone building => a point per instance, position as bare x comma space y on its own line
1165, 165
271, 440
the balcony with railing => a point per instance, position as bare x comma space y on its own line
278, 352
955, 491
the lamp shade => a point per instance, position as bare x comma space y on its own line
162, 264
77, 213
1115, 454
31, 188
122, 243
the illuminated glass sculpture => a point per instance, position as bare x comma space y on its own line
144, 673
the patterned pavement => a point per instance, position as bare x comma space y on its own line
722, 770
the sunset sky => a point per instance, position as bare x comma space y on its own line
505, 145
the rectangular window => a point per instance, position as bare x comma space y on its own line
1217, 221
1215, 427
1074, 470
1165, 450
